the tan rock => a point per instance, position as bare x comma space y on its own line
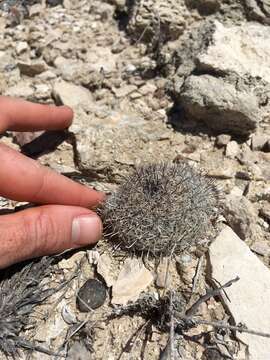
232, 149
241, 49
249, 297
104, 269
72, 95
132, 280
32, 68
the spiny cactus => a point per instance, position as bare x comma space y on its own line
161, 209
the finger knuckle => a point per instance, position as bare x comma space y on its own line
42, 232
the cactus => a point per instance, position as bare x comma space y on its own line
161, 209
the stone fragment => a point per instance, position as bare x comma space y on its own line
258, 190
21, 47
206, 7
265, 211
212, 354
78, 72
93, 256
172, 16
163, 279
132, 280
55, 326
147, 88
78, 351
32, 68
68, 316
42, 92
223, 140
258, 141
135, 95
124, 90
220, 105
232, 149
91, 295
261, 248
258, 11
242, 216
22, 89
217, 165
248, 303
186, 267
243, 50
104, 269
109, 148
47, 75
35, 10
72, 261
72, 95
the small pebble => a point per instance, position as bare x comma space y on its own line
223, 140
91, 295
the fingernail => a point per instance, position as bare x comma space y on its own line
86, 229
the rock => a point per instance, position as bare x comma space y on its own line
111, 147
21, 47
232, 149
72, 95
258, 11
206, 7
22, 89
147, 88
248, 303
93, 256
258, 190
220, 105
265, 211
55, 326
104, 269
35, 10
148, 19
223, 140
163, 279
71, 262
217, 165
212, 354
42, 92
68, 315
258, 141
236, 191
247, 156
78, 351
132, 280
243, 50
91, 295
242, 216
125, 90
47, 75
78, 72
261, 248
32, 68
186, 267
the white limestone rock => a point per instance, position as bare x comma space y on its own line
229, 257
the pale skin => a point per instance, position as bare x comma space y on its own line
63, 220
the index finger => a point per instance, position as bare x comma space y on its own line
21, 115
23, 179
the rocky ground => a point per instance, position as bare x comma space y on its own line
149, 81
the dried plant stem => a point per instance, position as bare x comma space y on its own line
192, 310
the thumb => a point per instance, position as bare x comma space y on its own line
46, 230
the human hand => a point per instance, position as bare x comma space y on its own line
63, 221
